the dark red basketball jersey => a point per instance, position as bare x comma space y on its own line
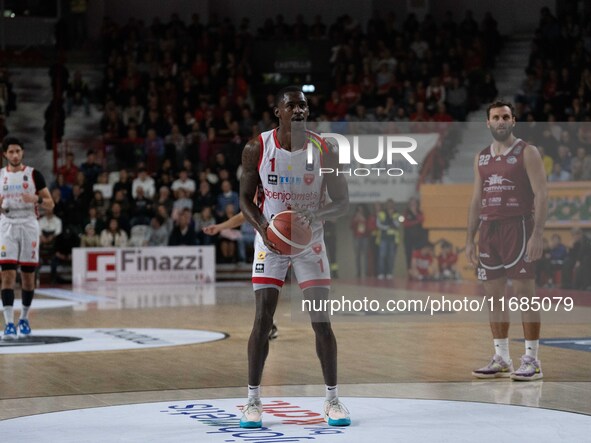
506, 190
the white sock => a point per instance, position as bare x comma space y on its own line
25, 312
254, 392
8, 314
502, 348
531, 348
332, 392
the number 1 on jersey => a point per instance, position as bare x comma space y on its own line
321, 264
272, 161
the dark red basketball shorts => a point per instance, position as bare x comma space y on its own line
501, 249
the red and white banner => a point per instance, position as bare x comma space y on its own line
178, 264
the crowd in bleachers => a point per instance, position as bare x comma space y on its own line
179, 104
557, 88
180, 100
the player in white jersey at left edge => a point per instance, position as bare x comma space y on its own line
22, 191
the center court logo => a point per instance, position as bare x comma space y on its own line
223, 421
374, 420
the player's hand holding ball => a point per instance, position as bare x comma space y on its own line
290, 232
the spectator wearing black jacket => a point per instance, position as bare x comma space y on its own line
183, 233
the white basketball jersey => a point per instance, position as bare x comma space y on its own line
13, 186
287, 180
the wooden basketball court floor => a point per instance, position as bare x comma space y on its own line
393, 356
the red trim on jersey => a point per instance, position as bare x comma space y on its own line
261, 151
8, 262
260, 192
276, 138
22, 166
261, 198
267, 281
22, 263
313, 283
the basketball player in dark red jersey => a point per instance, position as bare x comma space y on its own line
508, 209
282, 153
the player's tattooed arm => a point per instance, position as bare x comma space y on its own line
249, 183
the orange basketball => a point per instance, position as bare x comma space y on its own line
289, 234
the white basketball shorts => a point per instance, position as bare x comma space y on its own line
310, 266
19, 241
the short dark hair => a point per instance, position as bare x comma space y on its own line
11, 141
499, 104
286, 90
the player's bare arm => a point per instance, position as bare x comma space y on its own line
474, 216
231, 223
534, 166
42, 198
249, 183
337, 188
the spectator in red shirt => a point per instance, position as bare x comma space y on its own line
69, 170
200, 67
335, 108
447, 261
441, 115
420, 115
350, 92
423, 265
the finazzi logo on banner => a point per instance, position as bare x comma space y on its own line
179, 264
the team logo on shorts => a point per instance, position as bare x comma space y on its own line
261, 255
511, 160
272, 179
317, 248
259, 268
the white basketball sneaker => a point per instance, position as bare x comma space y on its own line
336, 414
251, 414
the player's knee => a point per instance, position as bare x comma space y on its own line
322, 328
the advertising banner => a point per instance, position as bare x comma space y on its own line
180, 264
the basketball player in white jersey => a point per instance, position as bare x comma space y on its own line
277, 173
22, 191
